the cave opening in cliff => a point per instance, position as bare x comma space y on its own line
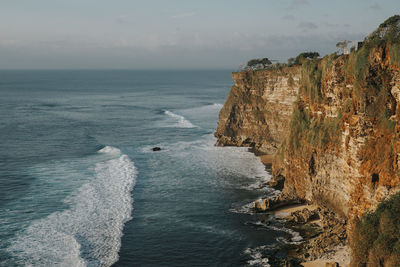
374, 179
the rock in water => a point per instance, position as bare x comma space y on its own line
156, 148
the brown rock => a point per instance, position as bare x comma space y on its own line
268, 204
258, 109
344, 152
303, 216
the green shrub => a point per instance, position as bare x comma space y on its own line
302, 57
256, 61
388, 32
390, 21
376, 236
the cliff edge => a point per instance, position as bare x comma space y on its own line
258, 109
334, 128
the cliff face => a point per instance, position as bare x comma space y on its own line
258, 109
343, 150
334, 120
335, 132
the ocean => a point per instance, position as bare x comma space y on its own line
81, 186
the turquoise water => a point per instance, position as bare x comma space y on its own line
80, 185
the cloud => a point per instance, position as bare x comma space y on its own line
183, 15
299, 2
306, 25
296, 3
376, 6
289, 18
122, 20
163, 50
331, 25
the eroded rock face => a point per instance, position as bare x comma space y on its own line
335, 131
339, 149
258, 109
349, 175
351, 172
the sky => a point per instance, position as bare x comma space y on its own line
177, 34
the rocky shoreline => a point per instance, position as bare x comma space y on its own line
324, 238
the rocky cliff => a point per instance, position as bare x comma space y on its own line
258, 109
339, 144
342, 151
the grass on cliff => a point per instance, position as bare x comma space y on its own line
376, 239
317, 132
395, 54
373, 100
311, 80
371, 95
360, 62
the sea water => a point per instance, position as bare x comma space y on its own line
81, 186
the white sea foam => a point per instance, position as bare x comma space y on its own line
218, 105
210, 108
109, 150
89, 232
295, 239
213, 108
227, 161
244, 209
256, 256
181, 122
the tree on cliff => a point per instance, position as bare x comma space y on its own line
304, 56
259, 63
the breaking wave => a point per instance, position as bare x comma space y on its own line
89, 232
181, 122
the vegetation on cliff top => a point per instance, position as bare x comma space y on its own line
366, 76
376, 239
354, 91
302, 57
254, 62
370, 97
388, 31
309, 129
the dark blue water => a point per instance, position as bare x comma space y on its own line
80, 185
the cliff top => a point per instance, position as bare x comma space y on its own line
389, 30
